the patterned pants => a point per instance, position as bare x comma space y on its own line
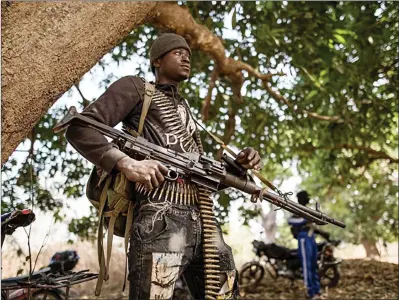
165, 243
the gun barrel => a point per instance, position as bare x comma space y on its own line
293, 207
316, 213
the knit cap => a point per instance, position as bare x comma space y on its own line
165, 43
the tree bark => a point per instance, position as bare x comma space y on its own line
371, 248
49, 46
270, 225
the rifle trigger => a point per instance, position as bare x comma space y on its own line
254, 198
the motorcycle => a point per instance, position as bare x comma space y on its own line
279, 261
47, 282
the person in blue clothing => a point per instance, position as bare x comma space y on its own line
303, 231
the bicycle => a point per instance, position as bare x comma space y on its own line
46, 283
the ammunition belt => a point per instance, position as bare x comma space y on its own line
173, 122
172, 191
209, 244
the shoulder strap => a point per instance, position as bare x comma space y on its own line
148, 93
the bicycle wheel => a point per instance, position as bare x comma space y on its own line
251, 274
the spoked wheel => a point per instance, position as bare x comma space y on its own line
329, 276
47, 294
251, 274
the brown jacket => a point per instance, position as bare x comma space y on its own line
121, 102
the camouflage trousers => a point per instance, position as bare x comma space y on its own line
165, 243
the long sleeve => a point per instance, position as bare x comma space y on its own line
111, 108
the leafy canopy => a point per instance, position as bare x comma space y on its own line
336, 115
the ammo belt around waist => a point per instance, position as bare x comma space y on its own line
176, 192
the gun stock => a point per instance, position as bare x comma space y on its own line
66, 121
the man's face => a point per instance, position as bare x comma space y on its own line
174, 65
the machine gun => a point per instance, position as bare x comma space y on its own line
199, 169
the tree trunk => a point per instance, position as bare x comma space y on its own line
269, 224
371, 248
49, 46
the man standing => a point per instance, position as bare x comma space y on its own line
303, 230
166, 235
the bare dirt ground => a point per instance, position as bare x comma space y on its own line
360, 279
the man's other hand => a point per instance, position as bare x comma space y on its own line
249, 158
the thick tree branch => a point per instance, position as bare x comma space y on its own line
207, 101
374, 154
201, 38
47, 47
278, 97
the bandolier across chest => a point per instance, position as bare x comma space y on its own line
180, 136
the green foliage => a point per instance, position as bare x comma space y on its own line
35, 178
85, 227
368, 204
340, 60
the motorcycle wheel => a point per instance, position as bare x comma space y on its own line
329, 276
51, 295
251, 274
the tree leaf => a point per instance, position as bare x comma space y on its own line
311, 94
341, 31
234, 18
340, 39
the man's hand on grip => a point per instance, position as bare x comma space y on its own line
148, 172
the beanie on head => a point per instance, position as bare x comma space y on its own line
303, 197
165, 43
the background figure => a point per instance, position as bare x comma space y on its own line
303, 231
